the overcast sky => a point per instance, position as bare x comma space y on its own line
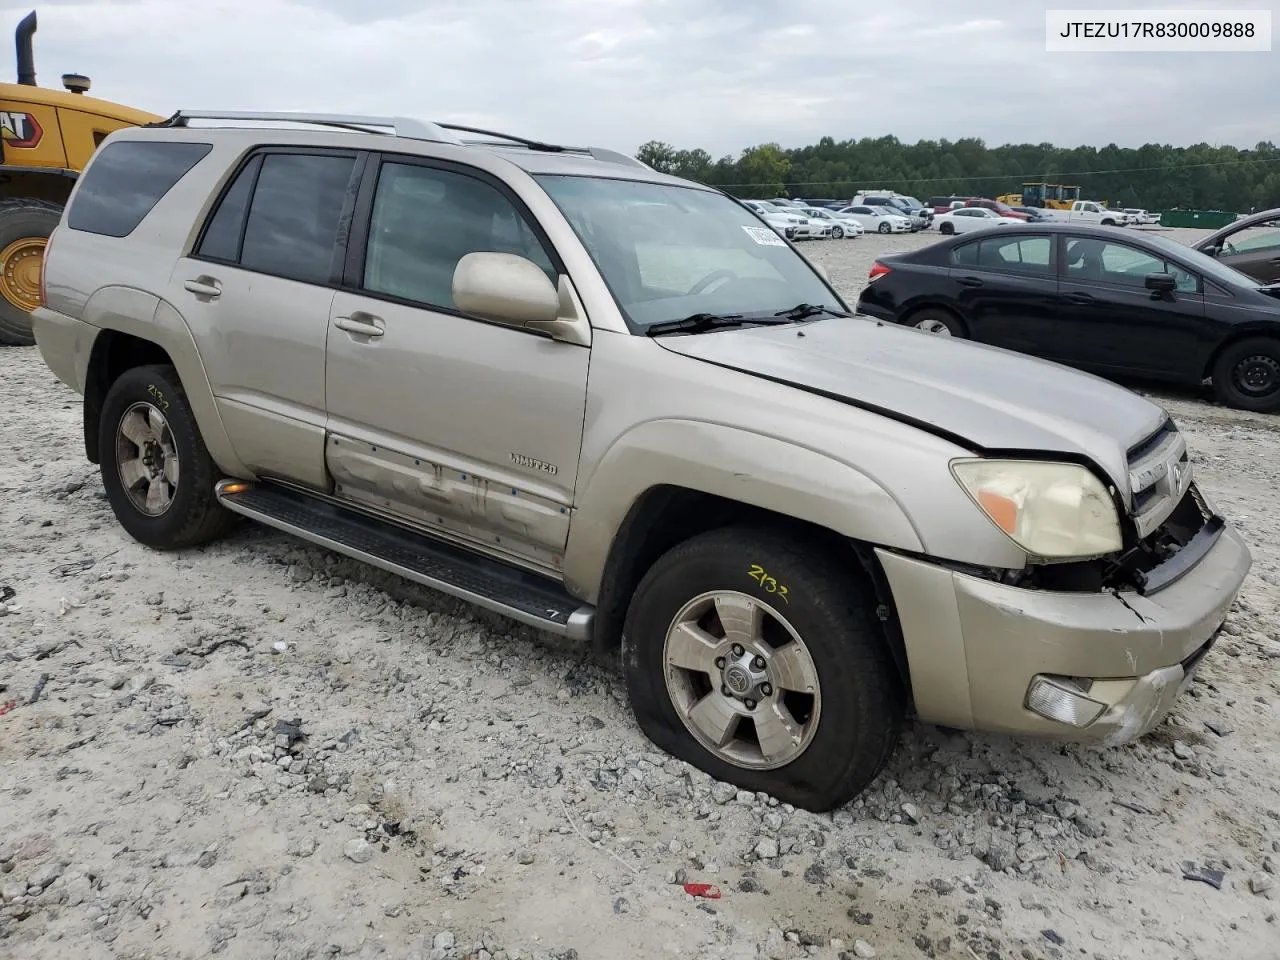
720, 74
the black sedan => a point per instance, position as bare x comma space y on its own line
1097, 298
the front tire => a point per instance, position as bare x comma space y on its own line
884, 228
761, 662
25, 226
156, 470
947, 228
837, 233
1246, 375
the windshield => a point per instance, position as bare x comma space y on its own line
669, 252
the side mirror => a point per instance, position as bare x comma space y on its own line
504, 287
514, 291
1211, 251
1161, 283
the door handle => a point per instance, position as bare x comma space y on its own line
969, 281
205, 287
361, 328
1078, 297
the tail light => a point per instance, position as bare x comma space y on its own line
878, 270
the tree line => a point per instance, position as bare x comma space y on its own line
1153, 176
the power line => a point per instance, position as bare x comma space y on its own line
1033, 178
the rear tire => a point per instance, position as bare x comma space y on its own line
804, 622
937, 322
25, 226
156, 470
1246, 375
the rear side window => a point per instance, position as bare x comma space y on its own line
292, 230
1020, 254
126, 180
221, 240
280, 216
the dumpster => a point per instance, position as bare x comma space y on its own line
1206, 219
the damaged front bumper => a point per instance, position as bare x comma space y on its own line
1101, 666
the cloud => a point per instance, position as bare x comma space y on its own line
719, 74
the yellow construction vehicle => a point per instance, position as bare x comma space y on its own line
1054, 196
46, 138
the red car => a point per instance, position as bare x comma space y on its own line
1001, 208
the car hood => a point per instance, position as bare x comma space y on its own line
985, 398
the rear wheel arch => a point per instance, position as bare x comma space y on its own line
113, 354
909, 317
159, 336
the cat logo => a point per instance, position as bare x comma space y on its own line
19, 129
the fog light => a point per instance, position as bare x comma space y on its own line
1063, 699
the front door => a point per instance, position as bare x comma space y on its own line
469, 429
1114, 323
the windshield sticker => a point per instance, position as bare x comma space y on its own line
765, 236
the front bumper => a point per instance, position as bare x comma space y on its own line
975, 646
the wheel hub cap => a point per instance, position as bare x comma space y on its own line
147, 459
20, 272
1258, 375
742, 680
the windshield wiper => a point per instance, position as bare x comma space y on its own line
802, 311
698, 322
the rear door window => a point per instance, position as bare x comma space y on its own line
126, 180
292, 226
1024, 255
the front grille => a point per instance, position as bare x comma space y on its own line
1159, 477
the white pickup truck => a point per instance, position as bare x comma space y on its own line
1090, 211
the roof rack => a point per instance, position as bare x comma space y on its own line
397, 126
597, 153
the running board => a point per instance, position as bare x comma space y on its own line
521, 595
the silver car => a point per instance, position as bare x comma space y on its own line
616, 406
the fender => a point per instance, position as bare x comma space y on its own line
751, 468
147, 317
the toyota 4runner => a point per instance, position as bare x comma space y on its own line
616, 405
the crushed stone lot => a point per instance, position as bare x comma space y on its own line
262, 750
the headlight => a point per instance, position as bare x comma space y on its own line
1053, 511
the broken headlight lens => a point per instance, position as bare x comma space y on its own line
1053, 511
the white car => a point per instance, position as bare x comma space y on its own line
878, 219
1139, 216
804, 226
964, 219
786, 224
841, 226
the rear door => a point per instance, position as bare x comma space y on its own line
1111, 322
1006, 287
256, 293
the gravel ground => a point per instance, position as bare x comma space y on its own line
263, 750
